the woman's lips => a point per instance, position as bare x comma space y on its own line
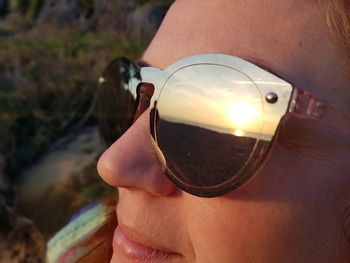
126, 244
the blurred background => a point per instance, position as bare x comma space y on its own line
51, 54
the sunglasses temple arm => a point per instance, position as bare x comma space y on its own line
305, 105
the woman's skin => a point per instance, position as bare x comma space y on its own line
289, 211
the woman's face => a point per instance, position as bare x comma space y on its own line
289, 211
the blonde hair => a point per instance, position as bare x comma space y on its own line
338, 19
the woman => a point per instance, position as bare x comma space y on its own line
293, 206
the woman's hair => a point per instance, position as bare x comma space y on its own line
338, 19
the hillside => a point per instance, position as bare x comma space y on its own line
51, 54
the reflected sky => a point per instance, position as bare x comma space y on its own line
218, 98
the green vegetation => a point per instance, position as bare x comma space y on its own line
35, 7
139, 3
29, 8
54, 82
22, 6
88, 6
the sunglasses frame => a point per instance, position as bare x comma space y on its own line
278, 98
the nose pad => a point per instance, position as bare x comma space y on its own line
144, 93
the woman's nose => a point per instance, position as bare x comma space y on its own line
131, 162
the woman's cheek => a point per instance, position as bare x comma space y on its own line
225, 230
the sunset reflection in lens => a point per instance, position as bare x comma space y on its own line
222, 100
210, 120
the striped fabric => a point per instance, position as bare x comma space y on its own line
68, 244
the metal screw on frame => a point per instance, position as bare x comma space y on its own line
271, 97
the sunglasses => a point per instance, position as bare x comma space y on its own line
213, 117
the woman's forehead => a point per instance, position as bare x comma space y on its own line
292, 37
241, 28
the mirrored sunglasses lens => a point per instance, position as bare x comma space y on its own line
208, 127
116, 99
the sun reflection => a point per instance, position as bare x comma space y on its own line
238, 133
242, 114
